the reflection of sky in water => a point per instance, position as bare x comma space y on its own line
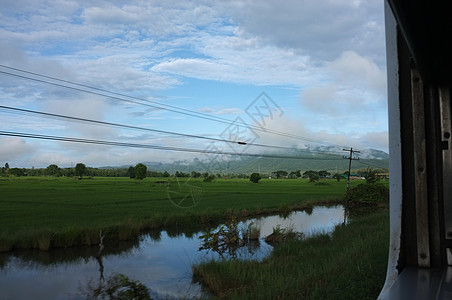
164, 266
322, 219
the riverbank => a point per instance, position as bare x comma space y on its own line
47, 212
348, 264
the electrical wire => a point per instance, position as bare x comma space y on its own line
121, 97
147, 146
59, 116
369, 165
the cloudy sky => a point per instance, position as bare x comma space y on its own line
296, 72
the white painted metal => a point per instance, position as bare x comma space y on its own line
395, 150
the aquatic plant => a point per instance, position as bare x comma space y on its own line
282, 235
251, 233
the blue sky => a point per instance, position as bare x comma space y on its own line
320, 62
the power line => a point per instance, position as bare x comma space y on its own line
369, 165
120, 97
146, 146
59, 116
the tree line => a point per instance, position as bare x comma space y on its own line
140, 171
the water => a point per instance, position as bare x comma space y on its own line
160, 260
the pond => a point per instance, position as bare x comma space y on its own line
161, 260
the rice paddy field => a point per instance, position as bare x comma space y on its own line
55, 204
350, 263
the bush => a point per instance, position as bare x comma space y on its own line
209, 178
255, 177
371, 175
314, 178
368, 193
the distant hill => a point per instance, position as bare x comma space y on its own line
317, 158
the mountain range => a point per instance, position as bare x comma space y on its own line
328, 158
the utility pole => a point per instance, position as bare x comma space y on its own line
350, 158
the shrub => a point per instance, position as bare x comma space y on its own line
255, 177
314, 178
209, 178
371, 175
368, 193
282, 235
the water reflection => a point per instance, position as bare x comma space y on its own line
160, 260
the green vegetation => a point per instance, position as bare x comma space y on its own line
80, 170
349, 264
374, 193
255, 177
45, 212
140, 171
282, 235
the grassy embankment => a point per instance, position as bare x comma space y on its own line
349, 264
43, 212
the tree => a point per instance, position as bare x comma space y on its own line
80, 170
324, 173
182, 174
140, 171
209, 178
314, 178
309, 174
17, 172
295, 174
280, 173
255, 177
131, 172
195, 174
53, 170
5, 170
371, 175
337, 176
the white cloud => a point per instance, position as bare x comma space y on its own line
221, 111
330, 50
377, 140
12, 148
353, 69
321, 28
91, 108
353, 97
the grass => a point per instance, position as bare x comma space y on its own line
43, 212
282, 235
349, 264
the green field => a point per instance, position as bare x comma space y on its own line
45, 212
66, 211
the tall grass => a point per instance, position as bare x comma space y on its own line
349, 264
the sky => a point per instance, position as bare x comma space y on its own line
285, 74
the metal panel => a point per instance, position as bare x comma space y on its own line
416, 283
395, 151
446, 131
420, 170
